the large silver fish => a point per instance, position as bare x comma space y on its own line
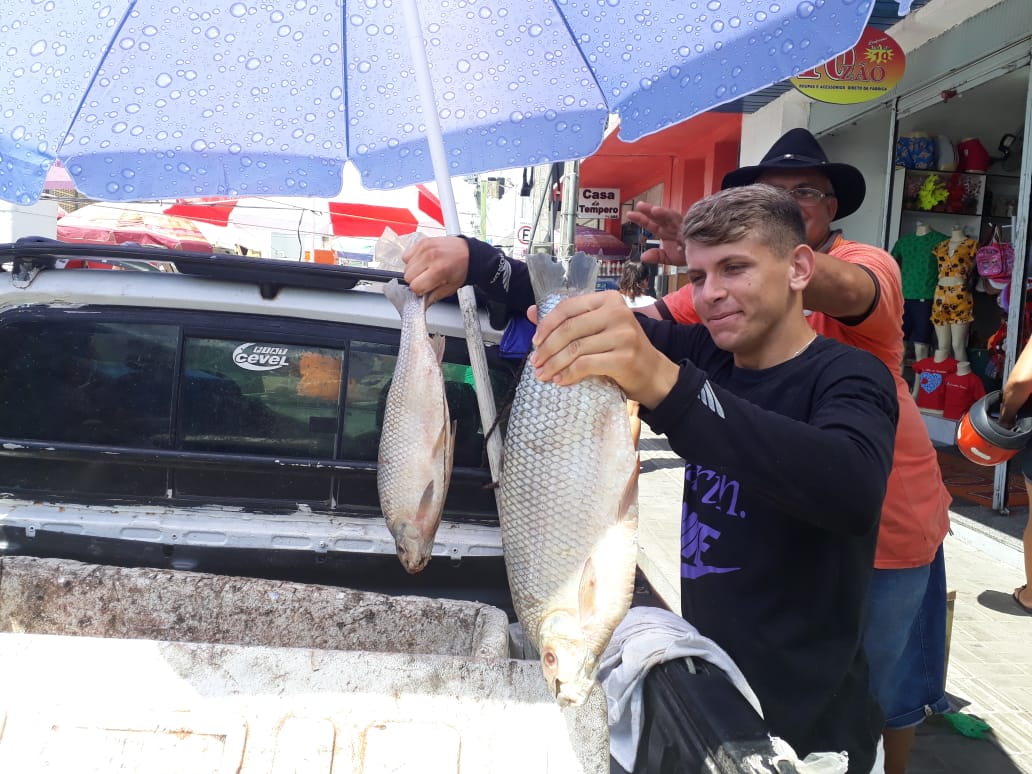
418, 439
569, 506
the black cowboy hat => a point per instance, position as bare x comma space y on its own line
798, 149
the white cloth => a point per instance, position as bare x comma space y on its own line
648, 636
651, 635
638, 301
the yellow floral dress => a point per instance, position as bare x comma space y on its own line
954, 304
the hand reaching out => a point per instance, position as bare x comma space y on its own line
665, 224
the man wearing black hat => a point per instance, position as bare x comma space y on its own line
856, 297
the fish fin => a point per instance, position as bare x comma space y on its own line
437, 345
397, 294
629, 501
449, 455
581, 276
427, 500
587, 592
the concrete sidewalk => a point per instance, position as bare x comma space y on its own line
989, 673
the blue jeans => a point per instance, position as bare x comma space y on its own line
905, 642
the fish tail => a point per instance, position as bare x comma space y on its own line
582, 274
549, 278
397, 294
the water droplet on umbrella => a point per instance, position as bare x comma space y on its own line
253, 63
717, 26
38, 47
238, 10
163, 80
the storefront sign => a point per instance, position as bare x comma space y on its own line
867, 71
598, 203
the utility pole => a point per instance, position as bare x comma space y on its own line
482, 184
566, 242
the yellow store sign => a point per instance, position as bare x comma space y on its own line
867, 71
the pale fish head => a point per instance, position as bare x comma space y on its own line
568, 663
413, 548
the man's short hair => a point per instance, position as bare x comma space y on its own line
765, 213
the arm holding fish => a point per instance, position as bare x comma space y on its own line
438, 266
597, 335
848, 438
841, 453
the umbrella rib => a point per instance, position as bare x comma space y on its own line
93, 78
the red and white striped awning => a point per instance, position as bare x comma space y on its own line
405, 211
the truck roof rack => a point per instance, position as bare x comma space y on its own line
30, 255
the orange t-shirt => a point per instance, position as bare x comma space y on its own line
916, 516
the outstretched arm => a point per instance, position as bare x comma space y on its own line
438, 266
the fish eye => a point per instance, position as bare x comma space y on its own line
549, 658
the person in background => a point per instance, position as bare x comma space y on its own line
1016, 392
634, 284
634, 287
856, 297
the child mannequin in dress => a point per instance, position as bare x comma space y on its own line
953, 307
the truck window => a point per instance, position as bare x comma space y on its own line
258, 397
86, 382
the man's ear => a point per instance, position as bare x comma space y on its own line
802, 265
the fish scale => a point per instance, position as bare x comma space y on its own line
568, 506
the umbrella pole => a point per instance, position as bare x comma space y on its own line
467, 300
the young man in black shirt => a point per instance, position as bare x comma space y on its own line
776, 425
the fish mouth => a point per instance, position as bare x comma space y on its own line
571, 694
413, 563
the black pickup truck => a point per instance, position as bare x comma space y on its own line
222, 415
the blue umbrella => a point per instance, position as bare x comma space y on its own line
145, 99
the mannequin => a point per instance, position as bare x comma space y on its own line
953, 306
962, 389
920, 276
930, 389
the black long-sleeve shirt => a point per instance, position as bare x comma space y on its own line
786, 470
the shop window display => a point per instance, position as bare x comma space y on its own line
953, 212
